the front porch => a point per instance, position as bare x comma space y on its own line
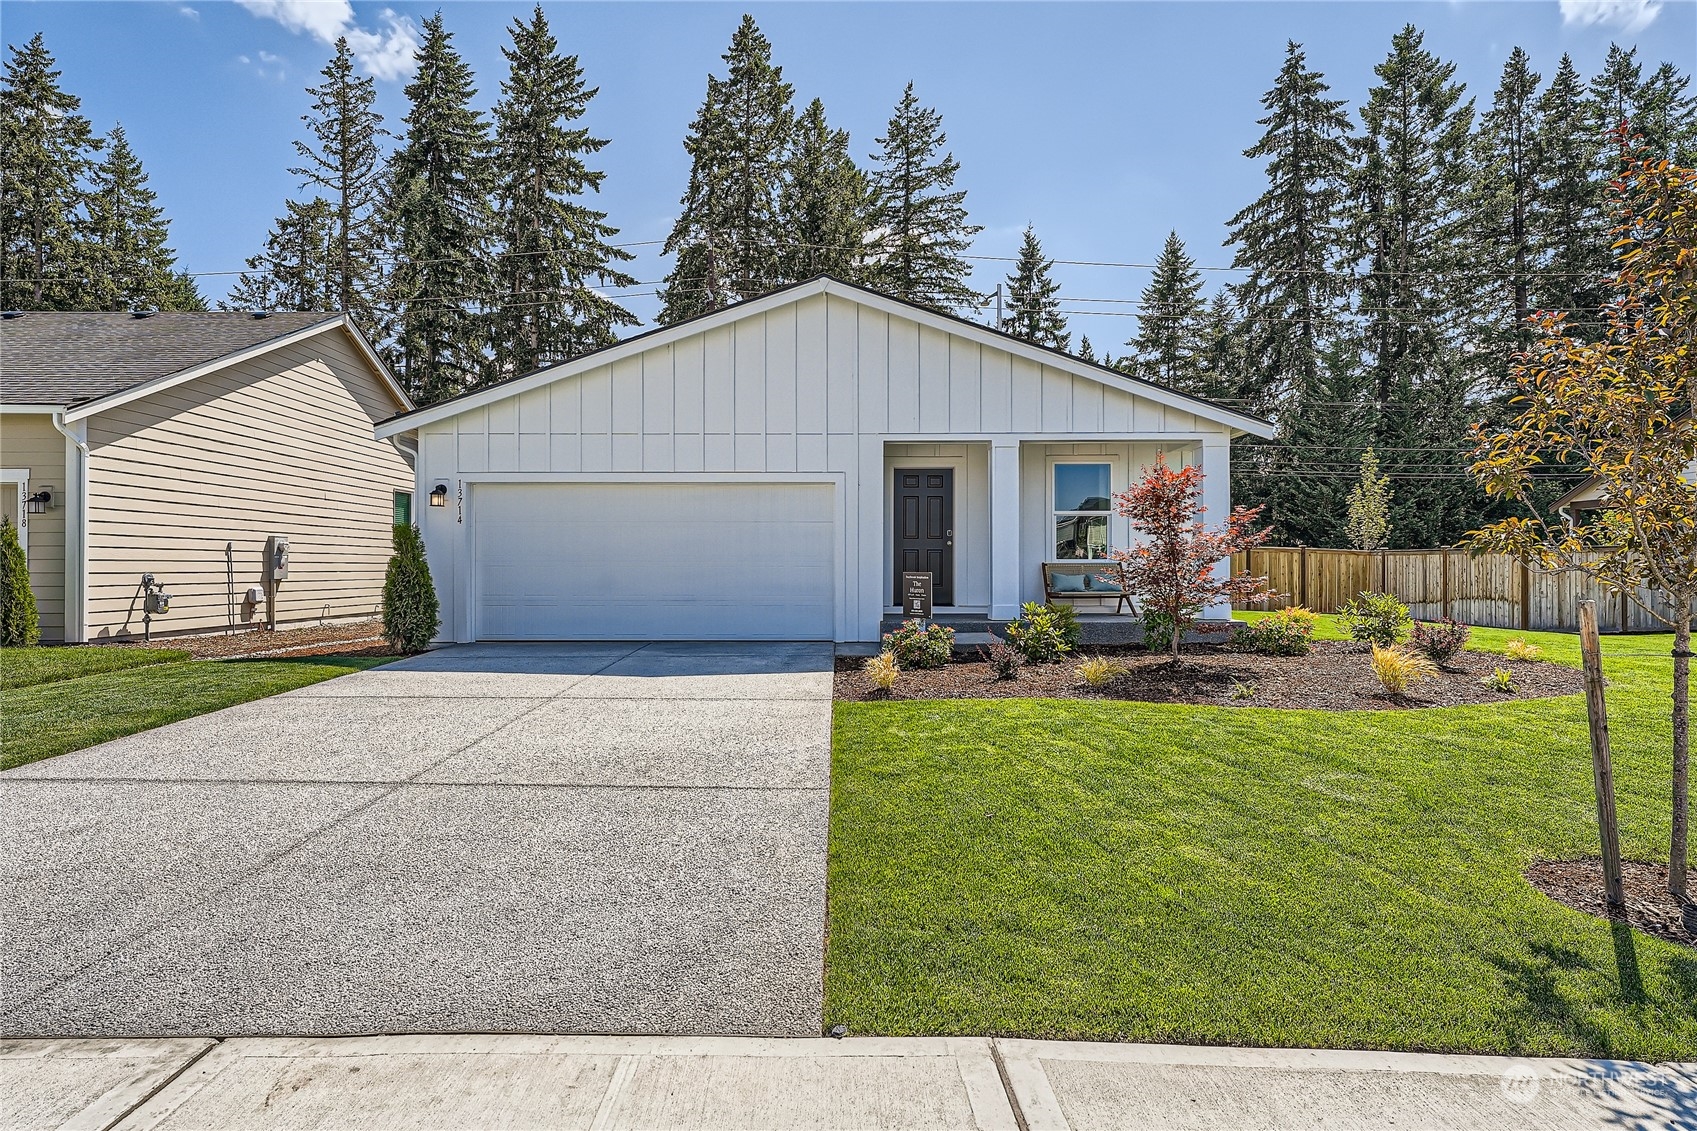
983, 516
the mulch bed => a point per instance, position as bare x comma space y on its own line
343, 638
1333, 677
1649, 906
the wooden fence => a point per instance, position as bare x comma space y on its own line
1493, 590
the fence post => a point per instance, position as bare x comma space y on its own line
1444, 583
1302, 576
1525, 597
1602, 767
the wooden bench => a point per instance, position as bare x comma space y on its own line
1088, 584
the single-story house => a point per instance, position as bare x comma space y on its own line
181, 445
769, 470
1593, 493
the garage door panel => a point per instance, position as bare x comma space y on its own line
652, 561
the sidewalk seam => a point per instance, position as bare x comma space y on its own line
1007, 1085
163, 1084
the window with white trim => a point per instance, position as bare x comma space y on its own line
1082, 502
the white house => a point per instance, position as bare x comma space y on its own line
768, 471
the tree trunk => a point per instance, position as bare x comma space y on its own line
1681, 751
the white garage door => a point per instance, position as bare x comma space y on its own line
650, 561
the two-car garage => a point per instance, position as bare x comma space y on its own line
673, 560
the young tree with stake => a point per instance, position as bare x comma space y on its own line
1618, 406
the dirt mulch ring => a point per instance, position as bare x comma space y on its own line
342, 638
1333, 677
1649, 906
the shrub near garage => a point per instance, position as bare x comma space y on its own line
918, 645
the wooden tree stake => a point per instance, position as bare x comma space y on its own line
1602, 768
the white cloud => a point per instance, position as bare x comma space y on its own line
185, 10
1628, 15
385, 53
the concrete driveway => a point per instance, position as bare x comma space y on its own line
594, 838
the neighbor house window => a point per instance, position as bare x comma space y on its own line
403, 508
1083, 501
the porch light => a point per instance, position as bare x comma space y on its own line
439, 495
40, 502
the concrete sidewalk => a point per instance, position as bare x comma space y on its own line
872, 1083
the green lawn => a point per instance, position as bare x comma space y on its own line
25, 667
1064, 868
70, 713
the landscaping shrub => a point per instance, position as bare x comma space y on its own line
1440, 641
1375, 618
1241, 690
1157, 630
1500, 679
1044, 633
19, 626
1003, 661
919, 645
1098, 671
411, 615
882, 671
1398, 670
1288, 632
1519, 649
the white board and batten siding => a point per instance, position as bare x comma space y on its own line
810, 390
280, 444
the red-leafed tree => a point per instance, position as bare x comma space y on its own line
1172, 569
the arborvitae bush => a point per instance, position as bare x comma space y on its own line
411, 615
19, 625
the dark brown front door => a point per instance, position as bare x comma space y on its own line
925, 530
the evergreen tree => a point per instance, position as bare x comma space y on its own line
825, 203
1507, 176
344, 161
411, 614
922, 229
20, 627
1656, 109
46, 149
1086, 351
1569, 229
1223, 361
297, 269
727, 238
1168, 346
1034, 306
554, 252
1290, 237
1418, 288
133, 267
438, 217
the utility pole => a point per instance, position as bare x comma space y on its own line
1602, 766
998, 325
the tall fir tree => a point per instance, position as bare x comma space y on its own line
1223, 361
728, 240
46, 149
1569, 228
1033, 298
1508, 175
825, 203
133, 266
1168, 346
295, 271
344, 161
922, 232
437, 214
554, 258
1289, 239
1419, 285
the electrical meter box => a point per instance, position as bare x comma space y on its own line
276, 558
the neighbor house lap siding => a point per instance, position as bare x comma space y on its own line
821, 387
280, 444
30, 441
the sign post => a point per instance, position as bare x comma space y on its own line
916, 596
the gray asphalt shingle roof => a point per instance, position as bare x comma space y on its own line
48, 357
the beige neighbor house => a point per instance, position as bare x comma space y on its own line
773, 469
180, 445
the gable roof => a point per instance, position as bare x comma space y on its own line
68, 358
808, 288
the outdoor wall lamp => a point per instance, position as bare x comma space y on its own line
39, 502
439, 495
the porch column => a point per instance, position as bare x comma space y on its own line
1217, 498
1004, 529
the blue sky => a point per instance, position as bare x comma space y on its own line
1105, 125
